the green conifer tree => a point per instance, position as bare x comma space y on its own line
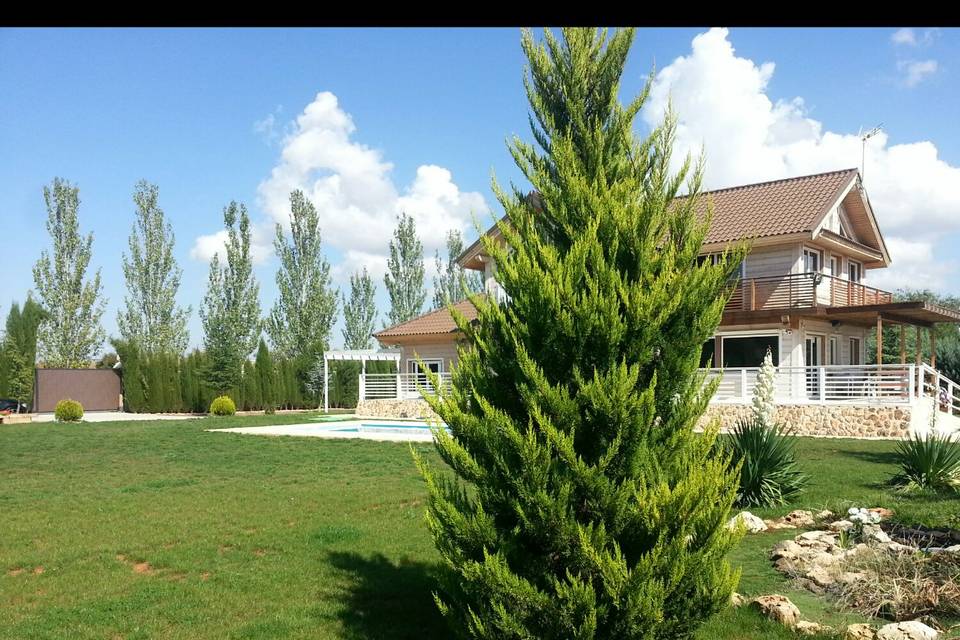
584, 505
265, 377
404, 278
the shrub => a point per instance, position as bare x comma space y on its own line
902, 586
931, 462
223, 406
768, 473
68, 411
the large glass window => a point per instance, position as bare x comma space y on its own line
748, 351
811, 261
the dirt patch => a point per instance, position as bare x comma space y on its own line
225, 548
205, 576
143, 568
260, 552
15, 571
38, 571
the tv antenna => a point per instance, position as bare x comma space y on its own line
863, 147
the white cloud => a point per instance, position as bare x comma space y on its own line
351, 186
909, 37
915, 71
904, 36
916, 267
260, 245
723, 107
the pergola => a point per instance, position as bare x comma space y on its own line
363, 356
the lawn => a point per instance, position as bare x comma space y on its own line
162, 530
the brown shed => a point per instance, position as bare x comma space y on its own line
95, 389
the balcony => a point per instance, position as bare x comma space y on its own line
803, 290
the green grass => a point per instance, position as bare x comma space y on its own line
255, 537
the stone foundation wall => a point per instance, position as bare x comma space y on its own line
395, 409
825, 420
806, 419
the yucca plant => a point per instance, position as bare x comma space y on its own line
929, 462
768, 463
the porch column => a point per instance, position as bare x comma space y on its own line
903, 344
933, 346
918, 347
879, 341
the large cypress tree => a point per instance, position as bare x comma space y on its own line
70, 334
584, 505
306, 307
231, 308
453, 283
404, 278
150, 316
359, 311
18, 352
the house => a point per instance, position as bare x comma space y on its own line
803, 293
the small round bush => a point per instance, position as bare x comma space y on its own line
223, 406
68, 411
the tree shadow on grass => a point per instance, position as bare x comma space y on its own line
876, 457
389, 600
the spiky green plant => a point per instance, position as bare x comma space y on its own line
585, 506
929, 462
769, 475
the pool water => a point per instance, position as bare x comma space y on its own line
387, 428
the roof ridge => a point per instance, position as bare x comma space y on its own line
778, 180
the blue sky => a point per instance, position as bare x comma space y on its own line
395, 119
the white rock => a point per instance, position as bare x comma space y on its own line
912, 630
778, 608
752, 523
799, 518
807, 628
840, 525
826, 514
875, 533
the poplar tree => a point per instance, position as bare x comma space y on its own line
306, 307
453, 283
359, 312
231, 307
266, 373
404, 278
583, 505
70, 334
151, 317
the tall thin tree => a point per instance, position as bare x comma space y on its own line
151, 317
359, 312
70, 334
404, 278
306, 307
453, 283
584, 505
231, 308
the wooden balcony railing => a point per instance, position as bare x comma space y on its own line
801, 290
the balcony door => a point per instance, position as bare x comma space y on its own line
813, 358
811, 261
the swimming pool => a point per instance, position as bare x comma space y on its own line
366, 429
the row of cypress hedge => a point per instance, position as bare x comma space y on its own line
169, 383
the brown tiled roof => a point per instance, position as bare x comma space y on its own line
779, 207
764, 209
435, 322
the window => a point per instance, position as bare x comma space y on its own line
836, 266
748, 351
811, 261
833, 353
854, 351
715, 258
433, 364
842, 222
854, 271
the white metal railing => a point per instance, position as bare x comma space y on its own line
934, 384
399, 386
835, 384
